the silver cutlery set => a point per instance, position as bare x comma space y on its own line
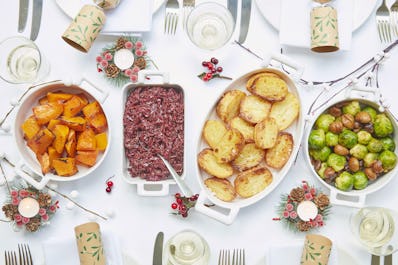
387, 22
24, 256
36, 17
238, 257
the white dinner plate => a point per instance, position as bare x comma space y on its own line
271, 10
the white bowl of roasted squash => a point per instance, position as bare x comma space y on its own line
248, 142
61, 132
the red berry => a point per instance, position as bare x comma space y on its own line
214, 70
210, 66
179, 201
193, 198
204, 63
209, 75
183, 208
214, 60
205, 79
177, 195
174, 205
219, 69
109, 183
184, 215
108, 189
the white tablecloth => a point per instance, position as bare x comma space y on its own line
138, 219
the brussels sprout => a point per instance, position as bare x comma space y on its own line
337, 162
388, 159
316, 139
375, 146
348, 139
382, 126
369, 159
321, 171
360, 180
324, 121
344, 181
372, 112
359, 151
352, 108
388, 143
321, 154
364, 137
331, 139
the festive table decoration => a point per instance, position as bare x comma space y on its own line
121, 62
89, 244
304, 208
183, 204
109, 184
213, 71
316, 250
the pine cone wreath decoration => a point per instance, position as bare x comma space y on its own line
120, 43
112, 71
297, 194
140, 63
322, 201
33, 225
10, 210
44, 199
303, 226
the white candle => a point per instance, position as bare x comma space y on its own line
307, 210
28, 207
123, 59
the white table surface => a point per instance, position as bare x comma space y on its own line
138, 219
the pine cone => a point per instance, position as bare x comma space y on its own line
10, 210
297, 194
303, 226
120, 43
140, 63
112, 71
33, 225
44, 199
322, 201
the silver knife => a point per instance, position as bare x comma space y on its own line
158, 250
245, 19
232, 6
375, 260
23, 14
388, 260
36, 18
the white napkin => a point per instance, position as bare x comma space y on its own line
63, 251
295, 28
290, 253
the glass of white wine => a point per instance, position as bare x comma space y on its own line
186, 248
374, 227
210, 25
21, 61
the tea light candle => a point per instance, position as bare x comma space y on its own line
123, 59
28, 207
307, 210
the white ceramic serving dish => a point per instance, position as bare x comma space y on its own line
231, 209
353, 198
145, 187
28, 158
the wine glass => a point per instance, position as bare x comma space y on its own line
21, 61
210, 25
374, 227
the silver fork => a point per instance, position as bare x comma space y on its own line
25, 257
10, 258
187, 6
171, 17
223, 257
238, 257
394, 18
383, 23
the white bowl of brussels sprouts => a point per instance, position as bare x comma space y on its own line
351, 149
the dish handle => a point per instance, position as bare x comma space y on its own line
213, 213
99, 93
285, 60
355, 201
144, 74
153, 189
37, 184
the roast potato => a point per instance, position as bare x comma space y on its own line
285, 111
252, 181
250, 156
228, 106
208, 162
265, 133
213, 131
277, 156
245, 128
229, 146
222, 188
268, 86
254, 109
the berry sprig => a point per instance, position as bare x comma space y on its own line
213, 71
183, 204
109, 184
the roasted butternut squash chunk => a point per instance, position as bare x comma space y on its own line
61, 135
43, 100
30, 127
73, 106
102, 141
87, 158
46, 112
92, 109
76, 123
44, 161
55, 97
41, 141
53, 154
65, 166
51, 124
98, 122
70, 145
86, 141
83, 99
